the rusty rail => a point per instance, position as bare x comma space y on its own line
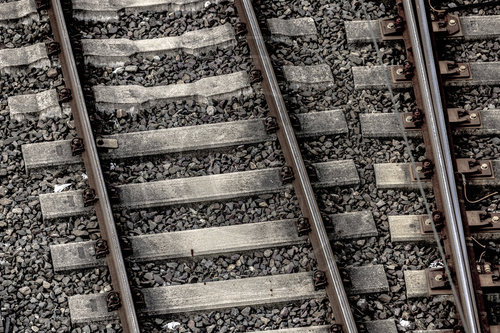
301, 183
102, 206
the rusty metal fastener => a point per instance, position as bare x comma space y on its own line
427, 168
312, 172
287, 175
399, 24
408, 69
89, 197
453, 70
335, 328
101, 248
437, 279
294, 120
240, 29
65, 95
113, 301
319, 280
53, 48
255, 76
442, 23
303, 226
485, 215
438, 219
77, 146
271, 124
138, 297
279, 73
77, 47
42, 4
126, 246
113, 195
418, 117
346, 278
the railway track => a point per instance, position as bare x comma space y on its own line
454, 227
142, 209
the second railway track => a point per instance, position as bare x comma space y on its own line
213, 203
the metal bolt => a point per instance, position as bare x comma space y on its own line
399, 71
419, 168
462, 68
438, 277
390, 25
473, 116
409, 119
484, 166
452, 22
495, 218
428, 222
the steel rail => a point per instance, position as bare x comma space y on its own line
444, 171
115, 262
302, 185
